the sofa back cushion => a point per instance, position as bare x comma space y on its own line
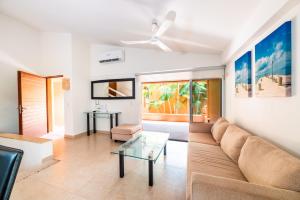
200, 127
219, 120
266, 164
219, 129
233, 140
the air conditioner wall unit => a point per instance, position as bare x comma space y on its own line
112, 56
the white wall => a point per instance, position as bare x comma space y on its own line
274, 118
56, 59
68, 55
45, 53
259, 18
146, 60
19, 50
187, 75
56, 54
80, 84
34, 153
139, 61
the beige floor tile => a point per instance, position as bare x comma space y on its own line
88, 171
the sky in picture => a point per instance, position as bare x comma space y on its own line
243, 69
274, 51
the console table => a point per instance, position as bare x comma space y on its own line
98, 114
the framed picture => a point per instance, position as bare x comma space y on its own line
243, 80
273, 63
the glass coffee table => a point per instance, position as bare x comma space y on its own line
146, 146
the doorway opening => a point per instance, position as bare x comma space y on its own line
171, 105
55, 108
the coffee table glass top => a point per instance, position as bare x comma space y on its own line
147, 145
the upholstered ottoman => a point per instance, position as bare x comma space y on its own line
125, 131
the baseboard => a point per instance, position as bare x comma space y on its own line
74, 136
105, 132
84, 133
48, 158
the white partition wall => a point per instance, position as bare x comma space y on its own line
34, 153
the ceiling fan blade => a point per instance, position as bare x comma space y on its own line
136, 42
161, 45
171, 15
170, 18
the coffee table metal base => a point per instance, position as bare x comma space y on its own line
150, 166
121, 164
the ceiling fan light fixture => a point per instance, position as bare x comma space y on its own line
155, 25
158, 31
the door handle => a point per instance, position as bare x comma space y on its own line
21, 109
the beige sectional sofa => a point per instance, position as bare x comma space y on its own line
226, 162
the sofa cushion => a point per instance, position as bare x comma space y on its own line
219, 129
205, 138
266, 164
206, 187
217, 122
126, 129
210, 159
233, 140
200, 127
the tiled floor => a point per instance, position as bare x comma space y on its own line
88, 170
57, 133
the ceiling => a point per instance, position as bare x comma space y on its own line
201, 26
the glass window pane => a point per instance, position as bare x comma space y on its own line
206, 100
170, 101
166, 101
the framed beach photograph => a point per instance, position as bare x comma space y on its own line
273, 63
243, 80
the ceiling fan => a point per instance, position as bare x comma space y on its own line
158, 31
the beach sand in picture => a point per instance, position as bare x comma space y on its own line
279, 86
243, 90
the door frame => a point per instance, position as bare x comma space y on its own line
47, 98
49, 101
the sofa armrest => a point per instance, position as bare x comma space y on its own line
200, 127
213, 188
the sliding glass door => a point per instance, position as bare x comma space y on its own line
206, 100
166, 101
182, 101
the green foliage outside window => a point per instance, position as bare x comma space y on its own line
174, 95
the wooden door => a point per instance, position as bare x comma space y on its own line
32, 104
